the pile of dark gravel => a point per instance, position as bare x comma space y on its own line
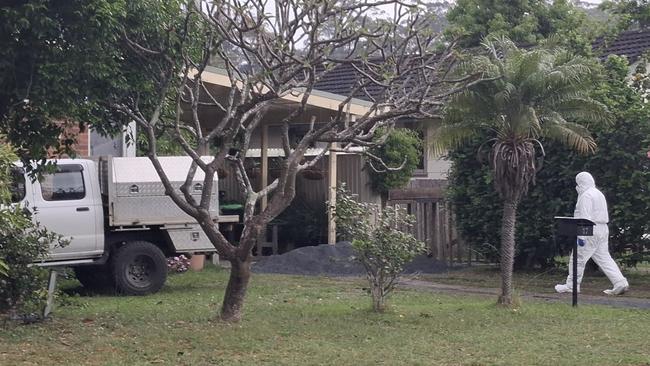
332, 260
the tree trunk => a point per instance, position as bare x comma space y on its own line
233, 300
507, 251
378, 298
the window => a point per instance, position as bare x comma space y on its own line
66, 184
17, 186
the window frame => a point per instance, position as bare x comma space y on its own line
65, 168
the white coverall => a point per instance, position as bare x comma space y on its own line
592, 205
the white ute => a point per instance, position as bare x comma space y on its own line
120, 223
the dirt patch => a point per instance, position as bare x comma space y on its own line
332, 260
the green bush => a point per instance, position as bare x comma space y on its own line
620, 167
400, 144
381, 240
22, 287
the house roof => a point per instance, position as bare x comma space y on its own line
342, 79
318, 98
632, 44
330, 90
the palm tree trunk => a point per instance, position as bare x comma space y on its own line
507, 251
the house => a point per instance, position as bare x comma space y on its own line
423, 196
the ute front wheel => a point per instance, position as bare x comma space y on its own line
139, 268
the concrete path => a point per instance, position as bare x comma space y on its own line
622, 301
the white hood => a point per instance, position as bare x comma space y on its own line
591, 203
584, 181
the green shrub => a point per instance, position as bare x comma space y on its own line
381, 240
22, 286
400, 145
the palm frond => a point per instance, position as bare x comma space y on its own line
449, 136
533, 125
573, 135
574, 74
551, 99
471, 102
537, 93
530, 64
478, 64
506, 95
583, 109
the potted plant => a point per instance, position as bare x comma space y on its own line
313, 173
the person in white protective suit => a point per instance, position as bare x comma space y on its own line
592, 205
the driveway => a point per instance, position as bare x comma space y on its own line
623, 301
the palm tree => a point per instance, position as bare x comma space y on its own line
527, 95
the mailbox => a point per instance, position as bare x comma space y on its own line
571, 226
574, 227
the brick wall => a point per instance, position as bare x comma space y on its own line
80, 138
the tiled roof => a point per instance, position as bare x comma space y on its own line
341, 80
631, 43
344, 77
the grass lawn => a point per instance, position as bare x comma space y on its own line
293, 320
593, 283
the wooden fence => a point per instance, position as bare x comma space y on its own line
435, 226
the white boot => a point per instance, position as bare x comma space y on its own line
563, 288
618, 289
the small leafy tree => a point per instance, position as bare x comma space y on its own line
401, 150
381, 239
21, 243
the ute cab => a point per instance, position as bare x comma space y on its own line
67, 202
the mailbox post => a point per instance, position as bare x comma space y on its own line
573, 227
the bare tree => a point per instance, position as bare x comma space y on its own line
284, 53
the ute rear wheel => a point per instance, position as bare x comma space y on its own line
139, 268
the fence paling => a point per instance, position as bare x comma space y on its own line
435, 226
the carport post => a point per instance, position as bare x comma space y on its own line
264, 181
264, 157
331, 185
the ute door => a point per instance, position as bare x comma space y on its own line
64, 203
